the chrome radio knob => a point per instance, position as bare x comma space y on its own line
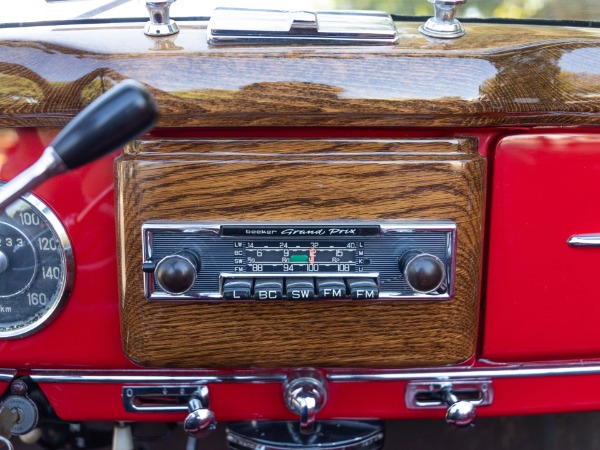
176, 274
424, 273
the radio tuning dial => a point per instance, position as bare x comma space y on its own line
176, 274
424, 273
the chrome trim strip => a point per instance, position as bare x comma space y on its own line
584, 240
133, 376
7, 374
469, 373
66, 376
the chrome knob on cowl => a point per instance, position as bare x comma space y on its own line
424, 273
160, 23
200, 421
443, 24
305, 394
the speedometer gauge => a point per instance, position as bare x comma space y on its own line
36, 266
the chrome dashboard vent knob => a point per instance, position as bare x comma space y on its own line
443, 24
160, 23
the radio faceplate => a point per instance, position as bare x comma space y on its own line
349, 260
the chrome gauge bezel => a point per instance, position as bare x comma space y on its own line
68, 275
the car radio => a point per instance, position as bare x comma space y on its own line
298, 261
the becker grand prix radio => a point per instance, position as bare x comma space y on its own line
298, 261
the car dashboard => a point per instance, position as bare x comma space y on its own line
382, 231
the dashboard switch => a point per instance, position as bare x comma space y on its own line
237, 289
362, 289
268, 289
300, 289
331, 287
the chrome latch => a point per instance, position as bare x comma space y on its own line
260, 26
459, 397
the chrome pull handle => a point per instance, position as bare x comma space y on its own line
201, 421
459, 413
308, 412
460, 398
305, 395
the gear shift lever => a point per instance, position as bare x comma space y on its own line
118, 116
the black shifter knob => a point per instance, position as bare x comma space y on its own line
118, 116
423, 272
113, 119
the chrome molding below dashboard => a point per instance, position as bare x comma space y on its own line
470, 373
65, 376
7, 374
278, 376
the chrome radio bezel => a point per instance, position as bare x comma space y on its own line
386, 228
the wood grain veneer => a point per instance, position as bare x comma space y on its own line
300, 181
496, 75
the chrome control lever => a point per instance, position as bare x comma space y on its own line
113, 119
305, 395
200, 421
459, 397
460, 413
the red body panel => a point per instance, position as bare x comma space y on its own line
542, 192
365, 400
542, 299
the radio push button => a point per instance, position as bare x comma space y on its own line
237, 289
331, 287
299, 289
268, 289
362, 288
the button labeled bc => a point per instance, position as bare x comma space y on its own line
268, 289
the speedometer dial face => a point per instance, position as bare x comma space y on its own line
36, 267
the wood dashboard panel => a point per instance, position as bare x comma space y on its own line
300, 180
496, 75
